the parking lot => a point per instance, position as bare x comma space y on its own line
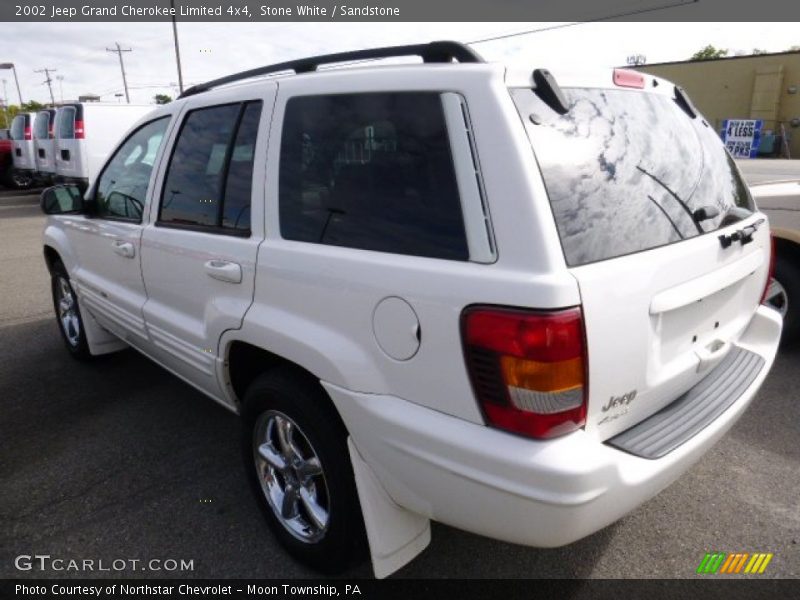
118, 459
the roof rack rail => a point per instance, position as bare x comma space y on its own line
433, 52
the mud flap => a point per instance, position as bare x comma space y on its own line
99, 340
395, 534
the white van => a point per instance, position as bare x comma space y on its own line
23, 151
44, 143
85, 134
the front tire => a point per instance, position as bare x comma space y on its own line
295, 448
68, 314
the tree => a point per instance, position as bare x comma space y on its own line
32, 106
759, 51
162, 99
794, 49
709, 53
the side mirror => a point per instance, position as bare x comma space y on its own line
61, 200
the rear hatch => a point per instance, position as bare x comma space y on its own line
629, 174
69, 141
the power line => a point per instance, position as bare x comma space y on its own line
629, 13
119, 52
48, 81
621, 15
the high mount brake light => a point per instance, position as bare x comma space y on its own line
528, 368
628, 78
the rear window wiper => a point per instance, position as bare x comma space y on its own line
683, 205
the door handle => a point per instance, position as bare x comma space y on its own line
224, 270
125, 249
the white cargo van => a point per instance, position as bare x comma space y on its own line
85, 134
22, 136
44, 143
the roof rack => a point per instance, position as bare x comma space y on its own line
433, 52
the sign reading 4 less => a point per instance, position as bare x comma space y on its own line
742, 136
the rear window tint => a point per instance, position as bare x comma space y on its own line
66, 123
625, 171
371, 171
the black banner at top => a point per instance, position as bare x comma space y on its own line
397, 10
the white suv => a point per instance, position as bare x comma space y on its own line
515, 303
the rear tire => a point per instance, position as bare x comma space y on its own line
787, 274
19, 180
295, 450
68, 314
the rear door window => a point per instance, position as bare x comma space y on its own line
372, 171
209, 178
66, 123
18, 127
625, 171
41, 126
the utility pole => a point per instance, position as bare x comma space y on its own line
119, 52
177, 48
48, 81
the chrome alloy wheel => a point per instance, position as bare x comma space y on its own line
68, 312
291, 476
777, 297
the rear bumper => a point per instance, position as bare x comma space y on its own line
537, 493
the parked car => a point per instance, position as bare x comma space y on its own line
516, 303
781, 201
85, 133
44, 144
24, 155
6, 158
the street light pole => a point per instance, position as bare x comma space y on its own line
16, 79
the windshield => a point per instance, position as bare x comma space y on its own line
627, 171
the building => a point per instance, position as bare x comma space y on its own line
761, 86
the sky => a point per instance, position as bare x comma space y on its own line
77, 51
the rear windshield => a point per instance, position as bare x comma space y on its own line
40, 125
18, 127
66, 123
625, 171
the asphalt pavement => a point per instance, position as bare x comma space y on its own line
761, 170
117, 459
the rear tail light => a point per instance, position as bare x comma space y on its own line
771, 272
28, 133
79, 133
528, 369
50, 133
